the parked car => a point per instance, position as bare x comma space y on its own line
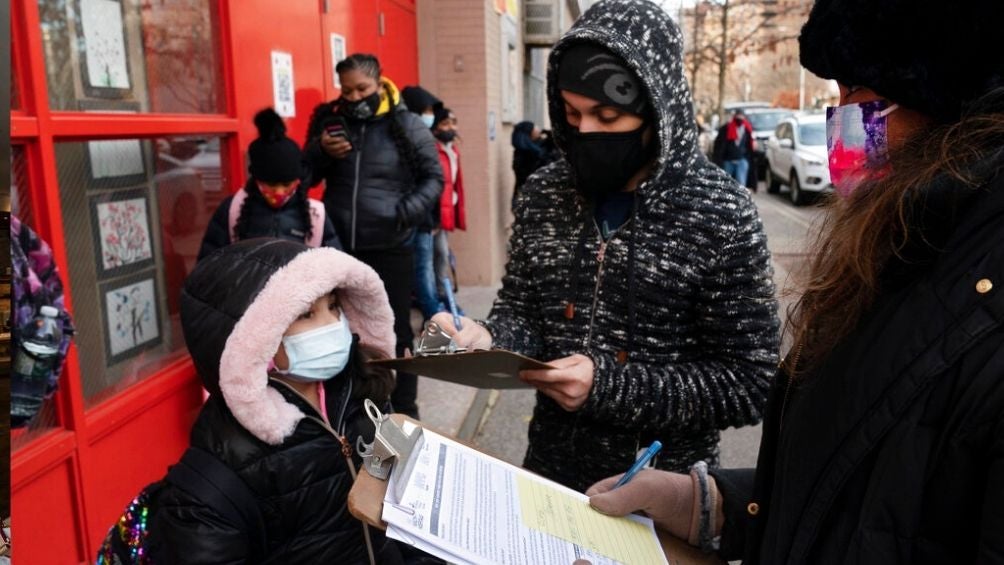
796, 156
764, 122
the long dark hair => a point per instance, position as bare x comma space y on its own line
369, 381
369, 65
864, 233
299, 199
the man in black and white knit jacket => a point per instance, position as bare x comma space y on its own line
664, 328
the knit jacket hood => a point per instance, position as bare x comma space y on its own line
237, 304
652, 46
675, 308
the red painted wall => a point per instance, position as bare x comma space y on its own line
72, 484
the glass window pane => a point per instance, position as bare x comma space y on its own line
19, 195
134, 212
147, 56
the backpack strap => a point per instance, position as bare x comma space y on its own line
316, 223
236, 203
202, 475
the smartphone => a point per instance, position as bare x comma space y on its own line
336, 127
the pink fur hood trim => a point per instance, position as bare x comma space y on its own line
257, 335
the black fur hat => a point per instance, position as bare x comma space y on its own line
274, 157
929, 55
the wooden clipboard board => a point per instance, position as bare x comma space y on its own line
494, 369
366, 504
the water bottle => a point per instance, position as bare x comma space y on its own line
34, 361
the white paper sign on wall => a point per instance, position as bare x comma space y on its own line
337, 54
282, 84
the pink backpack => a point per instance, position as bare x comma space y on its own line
316, 218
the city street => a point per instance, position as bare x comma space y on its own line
496, 421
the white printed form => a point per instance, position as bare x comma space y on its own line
467, 507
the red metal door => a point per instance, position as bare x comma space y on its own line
71, 483
398, 41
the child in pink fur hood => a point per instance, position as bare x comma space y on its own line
279, 334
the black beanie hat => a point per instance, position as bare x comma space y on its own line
932, 56
440, 114
274, 157
591, 70
417, 99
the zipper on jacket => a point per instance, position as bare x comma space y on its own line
346, 452
317, 418
787, 386
600, 258
355, 186
345, 405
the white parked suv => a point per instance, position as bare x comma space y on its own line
796, 156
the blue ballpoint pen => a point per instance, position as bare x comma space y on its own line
641, 462
451, 302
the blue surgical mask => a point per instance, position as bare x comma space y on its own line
428, 120
318, 355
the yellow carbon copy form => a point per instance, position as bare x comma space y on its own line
569, 517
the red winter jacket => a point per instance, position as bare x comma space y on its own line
450, 217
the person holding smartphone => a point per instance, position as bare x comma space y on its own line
383, 178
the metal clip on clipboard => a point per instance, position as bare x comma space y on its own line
391, 448
434, 341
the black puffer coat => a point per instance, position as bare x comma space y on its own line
235, 306
373, 197
683, 290
893, 451
301, 488
287, 222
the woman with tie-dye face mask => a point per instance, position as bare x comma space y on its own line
884, 434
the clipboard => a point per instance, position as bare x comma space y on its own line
493, 369
365, 502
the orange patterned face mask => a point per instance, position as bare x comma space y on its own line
277, 196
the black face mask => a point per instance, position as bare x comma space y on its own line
362, 109
445, 136
604, 162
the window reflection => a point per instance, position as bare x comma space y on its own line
134, 213
152, 55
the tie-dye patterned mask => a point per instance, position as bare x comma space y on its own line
277, 196
857, 143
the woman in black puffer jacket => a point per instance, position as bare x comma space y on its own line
279, 423
383, 178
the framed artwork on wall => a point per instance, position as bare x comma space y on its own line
104, 60
120, 223
114, 163
131, 317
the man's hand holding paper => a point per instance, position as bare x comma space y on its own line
568, 383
